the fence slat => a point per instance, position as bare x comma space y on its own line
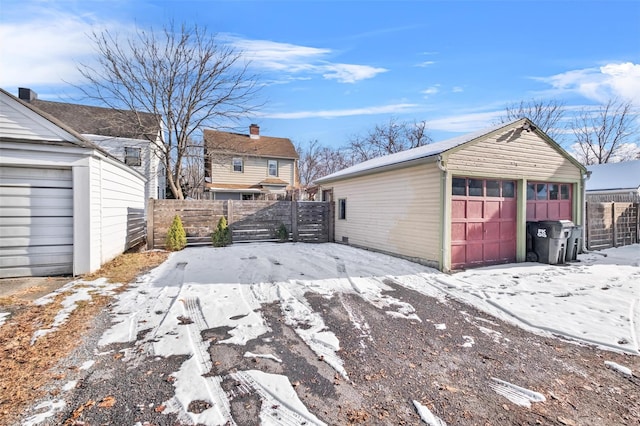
249, 220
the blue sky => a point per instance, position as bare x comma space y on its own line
334, 69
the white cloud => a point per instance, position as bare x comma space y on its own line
294, 59
425, 64
600, 84
384, 109
465, 123
457, 89
431, 90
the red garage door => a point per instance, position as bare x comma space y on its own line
549, 201
483, 222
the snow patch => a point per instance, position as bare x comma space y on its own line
620, 368
427, 416
265, 356
516, 394
52, 407
3, 317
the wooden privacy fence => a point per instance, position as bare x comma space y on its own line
136, 231
611, 224
249, 221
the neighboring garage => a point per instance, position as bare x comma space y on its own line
64, 203
459, 203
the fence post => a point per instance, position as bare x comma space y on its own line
636, 207
294, 221
229, 212
150, 210
614, 225
330, 222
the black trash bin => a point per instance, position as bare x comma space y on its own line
574, 243
550, 240
531, 254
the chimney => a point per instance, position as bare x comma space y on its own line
27, 94
254, 131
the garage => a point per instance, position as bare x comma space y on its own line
460, 203
36, 221
64, 202
483, 222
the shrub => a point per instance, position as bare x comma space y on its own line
176, 237
282, 233
222, 235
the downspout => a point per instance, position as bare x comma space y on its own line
585, 178
443, 224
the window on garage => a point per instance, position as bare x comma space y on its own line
548, 201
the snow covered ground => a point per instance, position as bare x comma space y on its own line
596, 300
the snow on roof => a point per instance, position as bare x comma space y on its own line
611, 176
412, 154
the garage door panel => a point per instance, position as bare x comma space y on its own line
458, 231
475, 209
508, 230
475, 253
491, 209
36, 221
459, 209
491, 251
474, 231
492, 230
508, 210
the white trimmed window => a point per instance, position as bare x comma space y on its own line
237, 165
273, 167
132, 156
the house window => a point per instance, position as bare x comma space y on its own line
237, 165
342, 208
273, 167
132, 156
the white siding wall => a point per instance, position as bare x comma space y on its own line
150, 162
119, 191
396, 211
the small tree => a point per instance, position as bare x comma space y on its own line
282, 233
176, 237
221, 236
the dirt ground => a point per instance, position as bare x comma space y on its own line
390, 363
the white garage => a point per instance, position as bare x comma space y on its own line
64, 203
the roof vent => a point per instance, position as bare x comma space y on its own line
254, 131
27, 94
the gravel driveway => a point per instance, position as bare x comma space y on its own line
292, 334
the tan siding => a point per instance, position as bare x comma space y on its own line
509, 156
255, 171
396, 211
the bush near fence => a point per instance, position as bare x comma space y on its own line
249, 221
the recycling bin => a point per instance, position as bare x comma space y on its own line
574, 243
550, 240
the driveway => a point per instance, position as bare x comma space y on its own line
291, 334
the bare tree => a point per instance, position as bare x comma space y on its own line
604, 134
317, 161
181, 75
192, 177
388, 138
547, 115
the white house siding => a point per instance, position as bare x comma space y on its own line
150, 166
396, 211
120, 193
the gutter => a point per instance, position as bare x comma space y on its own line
444, 217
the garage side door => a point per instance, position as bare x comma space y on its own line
483, 222
36, 222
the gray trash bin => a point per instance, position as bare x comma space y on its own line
550, 240
574, 243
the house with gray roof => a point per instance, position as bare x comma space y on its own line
614, 182
131, 136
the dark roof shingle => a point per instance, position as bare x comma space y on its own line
93, 120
